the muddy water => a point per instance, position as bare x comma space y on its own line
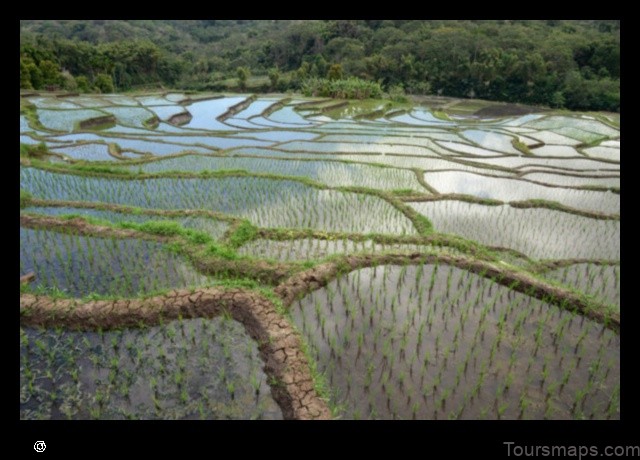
393, 347
187, 369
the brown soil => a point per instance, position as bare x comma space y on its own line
28, 278
279, 345
181, 118
337, 105
97, 121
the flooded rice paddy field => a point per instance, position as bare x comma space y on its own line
438, 342
287, 185
189, 369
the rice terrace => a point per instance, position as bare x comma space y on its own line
234, 255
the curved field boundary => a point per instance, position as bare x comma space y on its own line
548, 265
519, 176
97, 122
237, 108
264, 271
337, 105
420, 177
420, 222
189, 100
526, 204
436, 239
309, 104
290, 378
272, 108
585, 175
115, 151
133, 210
305, 282
82, 227
443, 240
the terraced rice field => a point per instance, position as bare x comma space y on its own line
211, 256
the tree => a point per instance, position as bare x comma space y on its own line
557, 99
68, 82
25, 76
104, 83
515, 61
335, 72
50, 73
243, 75
35, 75
274, 76
82, 84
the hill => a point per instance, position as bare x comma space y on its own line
571, 64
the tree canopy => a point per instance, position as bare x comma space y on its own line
572, 64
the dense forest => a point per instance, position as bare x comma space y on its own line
571, 64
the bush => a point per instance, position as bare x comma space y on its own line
349, 88
243, 75
161, 228
198, 237
274, 76
397, 94
244, 233
68, 82
82, 84
104, 83
221, 251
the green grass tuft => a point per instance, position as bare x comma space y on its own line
521, 146
221, 251
25, 198
243, 233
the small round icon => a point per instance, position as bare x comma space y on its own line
39, 446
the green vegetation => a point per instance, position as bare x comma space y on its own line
350, 88
521, 146
413, 263
242, 234
572, 64
38, 150
25, 198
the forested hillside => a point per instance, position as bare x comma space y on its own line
572, 64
